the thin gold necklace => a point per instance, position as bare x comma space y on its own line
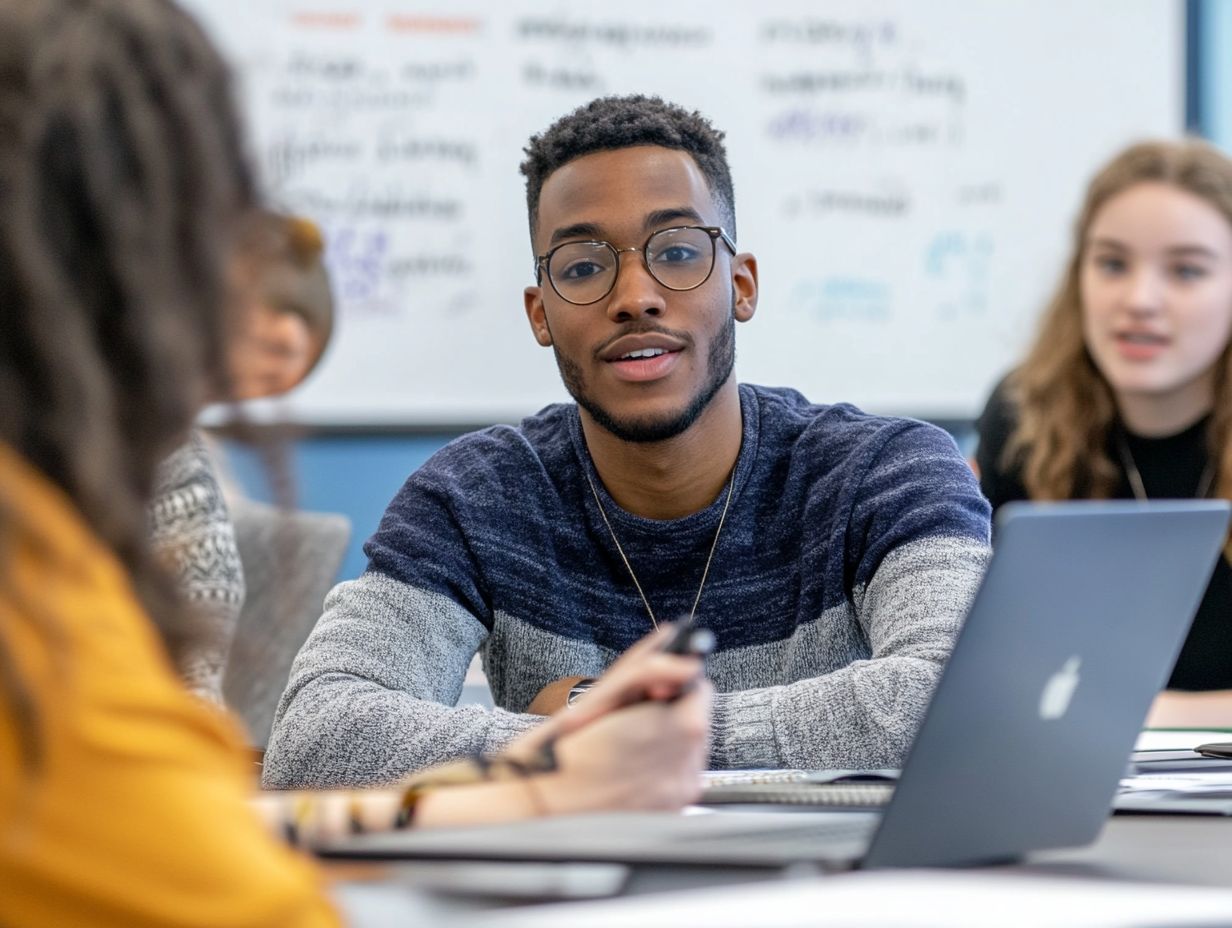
1135, 477
731, 485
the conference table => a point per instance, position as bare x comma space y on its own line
1132, 850
1186, 849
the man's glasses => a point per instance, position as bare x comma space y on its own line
679, 259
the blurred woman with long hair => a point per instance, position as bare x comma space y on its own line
1126, 392
123, 800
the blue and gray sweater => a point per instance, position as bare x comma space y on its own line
851, 551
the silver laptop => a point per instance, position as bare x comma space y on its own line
1073, 631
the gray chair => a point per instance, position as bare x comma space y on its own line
290, 560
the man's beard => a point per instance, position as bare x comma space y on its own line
720, 362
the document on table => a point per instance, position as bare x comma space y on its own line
1216, 784
1179, 739
903, 899
1168, 777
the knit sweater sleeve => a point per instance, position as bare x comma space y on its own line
372, 694
917, 545
192, 534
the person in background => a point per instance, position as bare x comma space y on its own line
290, 318
281, 332
123, 800
1126, 392
193, 538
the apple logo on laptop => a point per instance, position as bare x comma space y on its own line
1059, 690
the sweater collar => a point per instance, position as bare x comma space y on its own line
704, 519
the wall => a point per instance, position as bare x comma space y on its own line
356, 475
1212, 69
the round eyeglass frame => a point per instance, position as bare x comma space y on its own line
715, 232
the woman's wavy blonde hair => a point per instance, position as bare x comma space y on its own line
1065, 406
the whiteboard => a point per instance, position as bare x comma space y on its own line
905, 172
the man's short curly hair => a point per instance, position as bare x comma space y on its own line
610, 123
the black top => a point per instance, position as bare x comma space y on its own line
1171, 468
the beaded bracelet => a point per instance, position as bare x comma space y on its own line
478, 768
299, 807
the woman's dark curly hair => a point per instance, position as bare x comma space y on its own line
623, 122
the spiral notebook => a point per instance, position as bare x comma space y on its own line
830, 789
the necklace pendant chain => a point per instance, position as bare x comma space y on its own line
1135, 476
731, 485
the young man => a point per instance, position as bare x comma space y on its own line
832, 553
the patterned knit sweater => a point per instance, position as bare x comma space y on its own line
851, 551
193, 536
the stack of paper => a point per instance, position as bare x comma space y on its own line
1169, 777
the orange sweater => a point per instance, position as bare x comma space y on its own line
135, 811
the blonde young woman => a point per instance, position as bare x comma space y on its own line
124, 801
1126, 392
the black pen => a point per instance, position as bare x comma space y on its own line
689, 639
